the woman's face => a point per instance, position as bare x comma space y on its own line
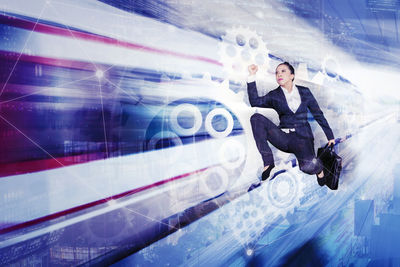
283, 75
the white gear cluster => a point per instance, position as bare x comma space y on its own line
285, 192
247, 220
234, 103
232, 154
248, 216
239, 48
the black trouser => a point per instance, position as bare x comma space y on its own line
265, 130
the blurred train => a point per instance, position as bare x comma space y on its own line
109, 134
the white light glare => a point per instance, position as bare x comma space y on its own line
99, 74
249, 252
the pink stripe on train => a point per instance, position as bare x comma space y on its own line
49, 29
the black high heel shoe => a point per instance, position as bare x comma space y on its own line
266, 173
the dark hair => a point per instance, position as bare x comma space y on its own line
289, 66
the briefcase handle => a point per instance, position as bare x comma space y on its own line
337, 141
330, 147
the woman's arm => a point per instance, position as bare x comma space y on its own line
319, 116
254, 99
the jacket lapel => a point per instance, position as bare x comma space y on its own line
302, 100
284, 100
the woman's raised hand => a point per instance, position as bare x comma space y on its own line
252, 69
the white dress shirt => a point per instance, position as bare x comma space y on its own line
293, 98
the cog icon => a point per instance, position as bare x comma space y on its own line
239, 48
284, 192
245, 219
248, 216
248, 222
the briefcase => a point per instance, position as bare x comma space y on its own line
332, 165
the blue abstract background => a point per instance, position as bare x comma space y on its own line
125, 134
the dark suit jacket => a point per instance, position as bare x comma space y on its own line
276, 99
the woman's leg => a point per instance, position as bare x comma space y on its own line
305, 154
265, 130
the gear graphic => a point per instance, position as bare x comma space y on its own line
243, 218
286, 190
217, 104
248, 215
247, 221
239, 48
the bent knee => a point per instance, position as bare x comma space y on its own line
313, 166
257, 118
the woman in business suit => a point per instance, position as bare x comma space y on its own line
293, 135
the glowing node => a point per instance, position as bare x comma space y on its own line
99, 74
249, 252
